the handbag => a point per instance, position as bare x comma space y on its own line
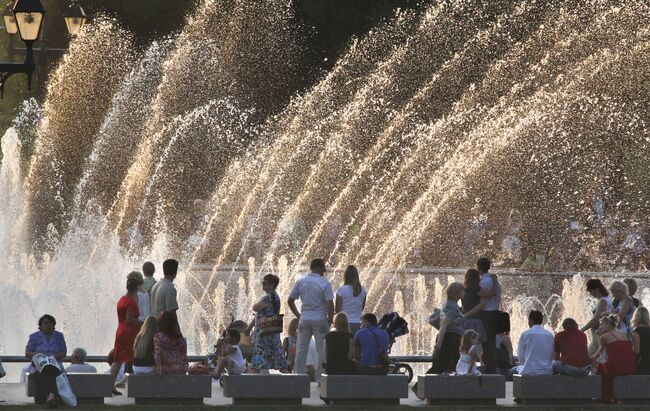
384, 359
273, 324
434, 319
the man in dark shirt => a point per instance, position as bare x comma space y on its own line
571, 351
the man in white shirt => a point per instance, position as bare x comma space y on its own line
317, 312
490, 290
78, 362
535, 351
163, 293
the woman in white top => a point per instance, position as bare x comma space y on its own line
597, 290
351, 298
143, 296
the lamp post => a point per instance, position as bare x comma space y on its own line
28, 17
25, 17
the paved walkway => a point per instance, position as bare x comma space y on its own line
14, 396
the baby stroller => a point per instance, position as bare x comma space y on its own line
395, 326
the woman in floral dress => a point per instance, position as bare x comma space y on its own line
267, 351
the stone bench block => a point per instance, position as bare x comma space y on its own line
556, 389
461, 390
632, 389
89, 388
258, 389
364, 389
169, 389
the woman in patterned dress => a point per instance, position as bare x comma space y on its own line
267, 351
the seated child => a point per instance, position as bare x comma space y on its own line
468, 354
245, 343
230, 358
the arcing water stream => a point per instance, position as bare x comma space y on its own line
428, 128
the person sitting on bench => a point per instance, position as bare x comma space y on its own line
371, 347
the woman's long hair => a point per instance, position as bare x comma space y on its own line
351, 277
341, 322
466, 341
472, 278
144, 340
168, 325
641, 317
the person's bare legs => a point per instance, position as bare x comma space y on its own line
115, 370
221, 365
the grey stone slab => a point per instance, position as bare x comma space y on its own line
168, 388
451, 389
544, 389
90, 388
266, 388
632, 389
380, 389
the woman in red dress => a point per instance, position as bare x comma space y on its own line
620, 355
127, 330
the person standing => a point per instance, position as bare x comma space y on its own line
597, 290
143, 296
535, 349
641, 340
148, 269
127, 330
452, 326
351, 298
316, 312
491, 289
571, 351
625, 308
163, 293
267, 352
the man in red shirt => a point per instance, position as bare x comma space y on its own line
571, 351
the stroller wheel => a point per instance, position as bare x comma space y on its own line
403, 369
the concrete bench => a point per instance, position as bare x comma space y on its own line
556, 389
89, 388
260, 389
632, 389
169, 389
461, 390
364, 389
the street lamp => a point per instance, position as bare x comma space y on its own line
9, 19
29, 15
75, 18
29, 18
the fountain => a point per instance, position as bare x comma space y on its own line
433, 126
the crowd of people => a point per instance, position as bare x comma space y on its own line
332, 334
620, 327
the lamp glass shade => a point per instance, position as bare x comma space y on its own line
75, 24
9, 19
75, 18
10, 24
29, 24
